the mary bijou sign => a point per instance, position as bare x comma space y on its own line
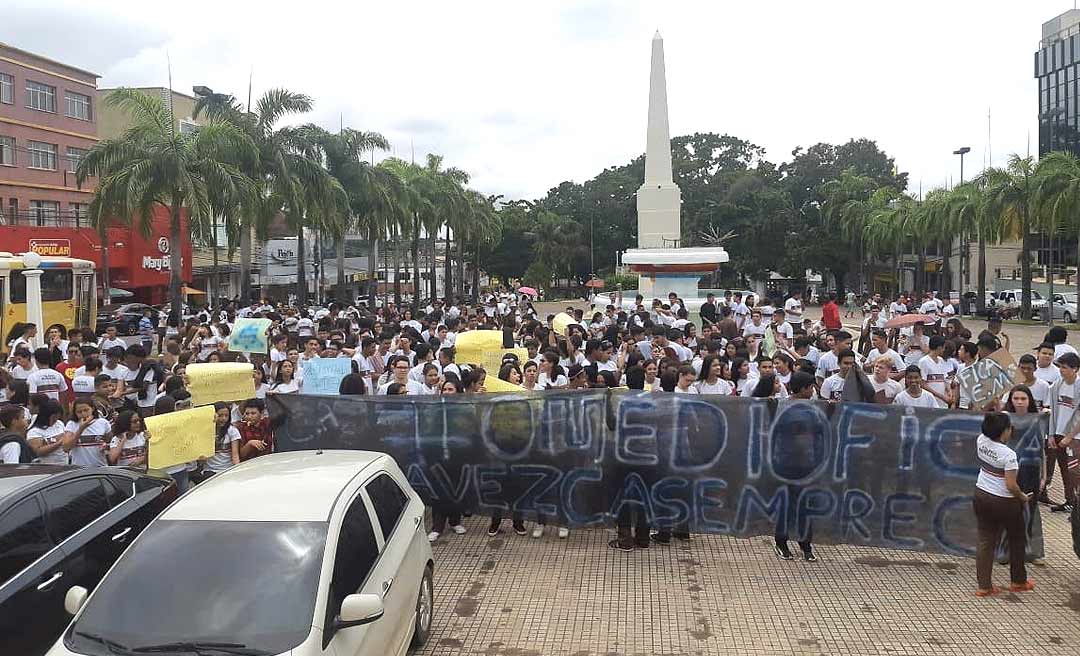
158, 263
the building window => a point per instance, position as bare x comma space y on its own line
187, 127
74, 157
80, 214
7, 88
78, 105
45, 212
7, 151
42, 155
41, 97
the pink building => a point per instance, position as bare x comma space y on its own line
48, 121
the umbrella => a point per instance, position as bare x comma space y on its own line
191, 291
528, 290
909, 320
119, 293
595, 282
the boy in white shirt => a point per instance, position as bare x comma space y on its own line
914, 395
936, 371
832, 388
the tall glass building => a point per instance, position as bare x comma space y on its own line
1056, 64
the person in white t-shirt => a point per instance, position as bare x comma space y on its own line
999, 505
1061, 446
937, 372
226, 440
885, 387
1039, 388
739, 312
710, 380
755, 326
87, 437
128, 446
685, 385
1045, 369
793, 309
399, 367
13, 424
23, 364
832, 388
46, 380
46, 434
913, 394
880, 342
110, 340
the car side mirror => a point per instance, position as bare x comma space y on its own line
75, 598
359, 609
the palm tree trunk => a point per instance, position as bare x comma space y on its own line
448, 268
980, 296
920, 277
433, 286
397, 267
1025, 267
946, 269
372, 278
301, 279
340, 292
416, 264
461, 266
175, 262
245, 264
214, 279
476, 274
105, 282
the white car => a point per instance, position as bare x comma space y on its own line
313, 552
1010, 300
1065, 307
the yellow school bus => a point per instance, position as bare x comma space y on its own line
68, 292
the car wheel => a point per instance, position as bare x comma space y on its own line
1068, 317
132, 329
425, 610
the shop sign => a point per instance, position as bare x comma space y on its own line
155, 263
51, 247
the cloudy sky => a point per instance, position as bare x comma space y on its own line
526, 95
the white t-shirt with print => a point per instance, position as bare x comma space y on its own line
50, 435
134, 448
49, 382
995, 459
832, 388
222, 458
721, 386
923, 400
90, 449
937, 374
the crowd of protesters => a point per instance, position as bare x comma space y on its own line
81, 398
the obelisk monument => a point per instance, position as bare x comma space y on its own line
658, 199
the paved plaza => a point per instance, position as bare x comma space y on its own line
516, 596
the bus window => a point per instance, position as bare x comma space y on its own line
55, 285
84, 286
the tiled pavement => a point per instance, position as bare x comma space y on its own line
515, 596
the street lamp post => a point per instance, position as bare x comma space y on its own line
965, 264
202, 91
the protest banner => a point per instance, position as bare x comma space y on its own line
484, 347
249, 335
323, 375
857, 473
220, 381
493, 383
989, 378
177, 437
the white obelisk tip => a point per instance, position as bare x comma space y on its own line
657, 37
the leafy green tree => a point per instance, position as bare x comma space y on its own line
1058, 195
1011, 204
153, 164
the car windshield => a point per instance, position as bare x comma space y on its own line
244, 583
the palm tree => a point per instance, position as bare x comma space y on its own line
848, 205
1058, 194
965, 210
888, 228
291, 180
1011, 196
152, 164
368, 188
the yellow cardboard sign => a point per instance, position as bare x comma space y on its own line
183, 436
484, 347
492, 383
220, 381
562, 322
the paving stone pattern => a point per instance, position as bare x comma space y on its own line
515, 596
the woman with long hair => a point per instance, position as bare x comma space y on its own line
767, 387
711, 379
20, 336
530, 372
1031, 477
285, 381
46, 434
128, 445
510, 373
740, 375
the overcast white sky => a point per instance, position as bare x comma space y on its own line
526, 95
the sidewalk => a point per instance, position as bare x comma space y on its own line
515, 596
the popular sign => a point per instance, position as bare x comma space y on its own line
853, 473
51, 247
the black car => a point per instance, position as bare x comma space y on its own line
62, 526
125, 317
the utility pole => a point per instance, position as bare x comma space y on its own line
965, 245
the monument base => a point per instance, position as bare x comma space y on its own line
665, 270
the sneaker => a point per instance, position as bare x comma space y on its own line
782, 552
538, 531
809, 556
494, 530
661, 538
459, 529
619, 546
563, 532
1039, 562
520, 529
1026, 586
1062, 507
434, 535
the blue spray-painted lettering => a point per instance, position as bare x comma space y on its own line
750, 500
813, 502
799, 443
669, 506
490, 427
634, 492
893, 519
952, 438
709, 426
940, 524
755, 437
855, 505
909, 439
847, 439
632, 434
567, 494
547, 479
489, 488
704, 501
